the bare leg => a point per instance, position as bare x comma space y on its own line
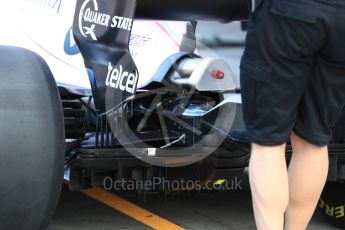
307, 176
269, 184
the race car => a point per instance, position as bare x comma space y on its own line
94, 89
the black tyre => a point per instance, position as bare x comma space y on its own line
332, 204
31, 141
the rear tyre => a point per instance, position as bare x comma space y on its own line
32, 140
332, 201
332, 204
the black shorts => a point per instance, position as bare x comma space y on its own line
293, 70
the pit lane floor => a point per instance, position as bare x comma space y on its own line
229, 210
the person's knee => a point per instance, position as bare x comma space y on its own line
267, 152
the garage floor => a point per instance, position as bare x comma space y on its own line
200, 211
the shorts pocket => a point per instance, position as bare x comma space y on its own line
256, 91
301, 10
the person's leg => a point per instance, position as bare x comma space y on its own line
269, 185
275, 72
307, 176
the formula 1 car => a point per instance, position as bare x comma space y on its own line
90, 93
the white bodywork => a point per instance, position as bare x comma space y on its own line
44, 26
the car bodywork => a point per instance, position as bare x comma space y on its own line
45, 27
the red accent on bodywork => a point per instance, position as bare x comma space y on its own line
217, 74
